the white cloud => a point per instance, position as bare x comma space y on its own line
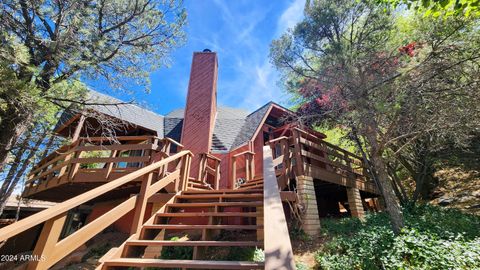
291, 16
247, 79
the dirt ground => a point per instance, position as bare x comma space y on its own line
305, 249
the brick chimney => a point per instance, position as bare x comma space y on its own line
201, 107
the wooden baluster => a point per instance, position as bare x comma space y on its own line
141, 204
67, 162
286, 178
233, 171
166, 147
110, 165
247, 166
46, 242
186, 174
252, 169
217, 175
286, 158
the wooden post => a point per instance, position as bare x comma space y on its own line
141, 204
187, 171
252, 169
46, 243
247, 166
217, 175
184, 173
287, 159
233, 171
110, 165
75, 137
78, 129
298, 152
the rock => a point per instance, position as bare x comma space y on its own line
443, 201
476, 206
476, 193
466, 199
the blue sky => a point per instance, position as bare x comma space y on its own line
240, 32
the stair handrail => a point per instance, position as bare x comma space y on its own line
53, 218
277, 245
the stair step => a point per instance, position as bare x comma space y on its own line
201, 186
252, 183
247, 187
196, 264
194, 243
194, 227
255, 181
226, 196
213, 204
210, 214
198, 189
220, 191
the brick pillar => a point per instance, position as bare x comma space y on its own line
306, 194
355, 202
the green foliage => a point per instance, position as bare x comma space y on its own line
94, 154
120, 41
437, 8
301, 266
338, 136
236, 254
24, 97
434, 238
97, 251
177, 252
297, 233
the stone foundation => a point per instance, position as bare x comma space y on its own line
355, 203
306, 194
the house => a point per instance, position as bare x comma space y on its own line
204, 167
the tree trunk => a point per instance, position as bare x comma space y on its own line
12, 126
20, 173
397, 184
393, 207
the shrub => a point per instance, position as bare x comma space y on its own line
434, 238
177, 252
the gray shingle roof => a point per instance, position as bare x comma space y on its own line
130, 113
173, 123
228, 123
233, 127
250, 125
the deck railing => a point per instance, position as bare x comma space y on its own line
50, 248
302, 152
248, 169
209, 169
97, 159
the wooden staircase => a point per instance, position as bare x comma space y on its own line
255, 183
205, 224
194, 184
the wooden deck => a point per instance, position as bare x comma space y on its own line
301, 153
91, 162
